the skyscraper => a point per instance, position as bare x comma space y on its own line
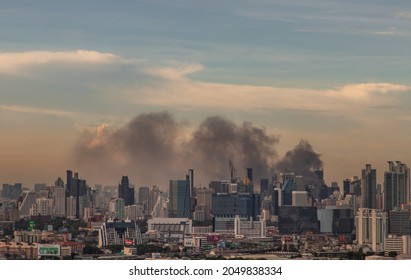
396, 185
125, 192
179, 205
368, 187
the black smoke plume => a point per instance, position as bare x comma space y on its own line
154, 148
302, 160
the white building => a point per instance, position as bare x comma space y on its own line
399, 244
372, 228
43, 207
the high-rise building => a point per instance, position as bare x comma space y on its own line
144, 198
346, 187
179, 205
399, 222
372, 228
298, 219
226, 207
59, 198
78, 189
116, 209
69, 181
12, 191
71, 207
396, 186
125, 192
42, 207
368, 187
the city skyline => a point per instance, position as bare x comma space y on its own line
331, 73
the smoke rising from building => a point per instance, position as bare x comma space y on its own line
154, 148
302, 160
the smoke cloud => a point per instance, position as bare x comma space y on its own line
154, 148
302, 160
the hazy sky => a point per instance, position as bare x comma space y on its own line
336, 73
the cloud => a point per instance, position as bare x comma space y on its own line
170, 73
173, 88
33, 110
369, 90
405, 15
14, 62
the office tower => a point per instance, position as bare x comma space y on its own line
144, 198
265, 189
12, 191
42, 207
219, 186
78, 189
59, 198
133, 212
116, 209
69, 182
396, 186
368, 187
288, 186
399, 222
226, 207
346, 186
179, 205
372, 228
298, 219
125, 192
71, 207
204, 200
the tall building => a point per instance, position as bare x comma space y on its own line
59, 198
226, 207
399, 222
116, 209
396, 185
69, 181
372, 228
368, 187
78, 189
288, 185
125, 192
179, 205
12, 191
71, 207
298, 219
42, 207
144, 198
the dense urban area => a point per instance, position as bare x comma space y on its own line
281, 217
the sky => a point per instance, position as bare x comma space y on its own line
75, 73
